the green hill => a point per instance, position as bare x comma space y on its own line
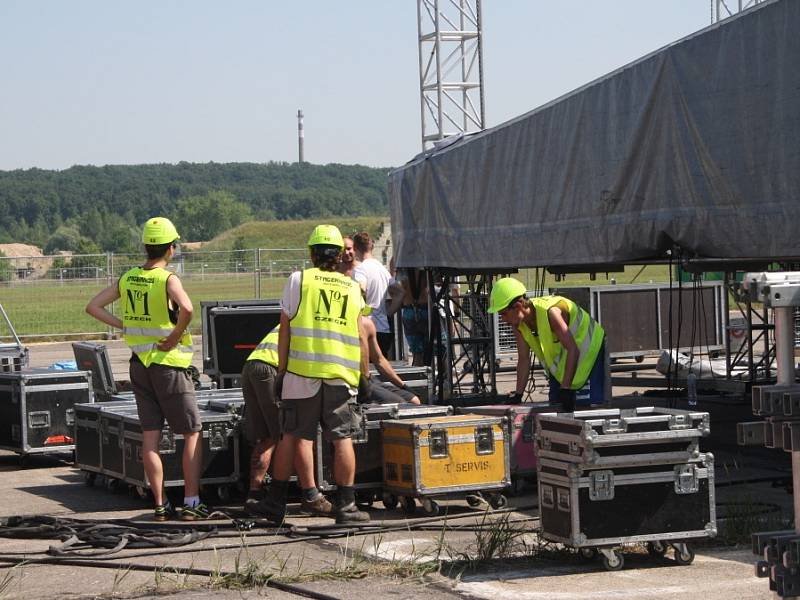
288, 234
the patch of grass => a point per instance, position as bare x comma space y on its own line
737, 520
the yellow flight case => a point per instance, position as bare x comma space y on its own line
466, 455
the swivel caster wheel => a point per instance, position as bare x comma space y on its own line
656, 549
409, 505
389, 501
89, 478
587, 553
141, 492
498, 501
430, 506
612, 560
474, 500
684, 555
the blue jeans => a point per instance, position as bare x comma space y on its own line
595, 385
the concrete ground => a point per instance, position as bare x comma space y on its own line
394, 563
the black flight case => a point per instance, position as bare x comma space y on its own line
611, 477
37, 409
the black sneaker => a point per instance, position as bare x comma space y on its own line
349, 513
163, 512
267, 508
194, 513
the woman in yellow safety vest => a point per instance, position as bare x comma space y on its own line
563, 336
156, 312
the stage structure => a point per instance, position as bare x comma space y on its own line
687, 156
450, 68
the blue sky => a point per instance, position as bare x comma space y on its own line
123, 82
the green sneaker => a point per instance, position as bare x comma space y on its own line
162, 512
194, 513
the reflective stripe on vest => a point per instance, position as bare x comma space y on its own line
267, 349
324, 341
145, 318
587, 333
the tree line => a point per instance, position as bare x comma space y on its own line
86, 209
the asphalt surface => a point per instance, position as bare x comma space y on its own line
388, 564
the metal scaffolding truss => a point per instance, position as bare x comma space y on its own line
450, 68
463, 338
722, 9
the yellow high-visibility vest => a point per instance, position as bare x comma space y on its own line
267, 349
587, 332
324, 340
145, 318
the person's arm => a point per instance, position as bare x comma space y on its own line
97, 306
560, 328
179, 296
364, 348
523, 362
384, 367
394, 294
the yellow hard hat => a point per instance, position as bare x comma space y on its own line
159, 230
328, 235
504, 291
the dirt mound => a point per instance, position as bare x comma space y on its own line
14, 250
26, 260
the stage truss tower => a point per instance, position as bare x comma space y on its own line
450, 68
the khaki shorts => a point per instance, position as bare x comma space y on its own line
163, 392
261, 418
332, 407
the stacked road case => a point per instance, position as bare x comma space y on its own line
618, 476
37, 409
109, 442
231, 331
442, 456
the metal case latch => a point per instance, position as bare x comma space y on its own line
166, 445
69, 416
601, 485
484, 440
680, 422
218, 438
686, 480
615, 426
438, 443
548, 500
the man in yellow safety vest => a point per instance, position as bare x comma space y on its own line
156, 312
322, 364
564, 337
262, 428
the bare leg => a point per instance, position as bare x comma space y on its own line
283, 458
192, 463
304, 463
153, 468
259, 462
344, 462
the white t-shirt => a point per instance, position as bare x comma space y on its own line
295, 386
378, 281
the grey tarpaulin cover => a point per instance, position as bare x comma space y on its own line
697, 145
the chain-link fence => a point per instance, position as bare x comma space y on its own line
45, 296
